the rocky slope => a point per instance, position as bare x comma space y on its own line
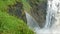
38, 11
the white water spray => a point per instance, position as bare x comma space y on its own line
52, 12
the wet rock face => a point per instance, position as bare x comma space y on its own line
17, 10
38, 11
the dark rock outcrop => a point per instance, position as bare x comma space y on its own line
38, 11
17, 10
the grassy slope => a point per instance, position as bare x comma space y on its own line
10, 24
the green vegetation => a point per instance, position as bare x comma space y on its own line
4, 4
10, 24
26, 5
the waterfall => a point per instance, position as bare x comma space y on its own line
52, 25
52, 12
31, 22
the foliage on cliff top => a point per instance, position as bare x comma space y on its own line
5, 3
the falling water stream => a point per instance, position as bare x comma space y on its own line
31, 22
52, 25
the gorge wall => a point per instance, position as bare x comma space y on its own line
38, 11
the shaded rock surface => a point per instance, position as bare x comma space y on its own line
38, 11
17, 10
